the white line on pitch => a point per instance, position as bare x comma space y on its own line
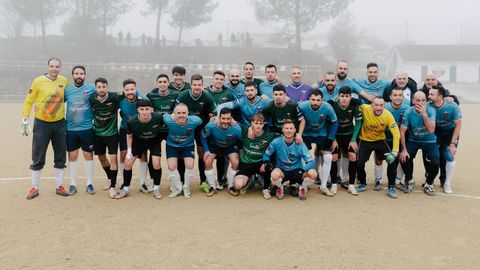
46, 178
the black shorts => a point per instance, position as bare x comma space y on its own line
249, 169
294, 176
84, 139
366, 148
223, 151
102, 143
153, 145
343, 145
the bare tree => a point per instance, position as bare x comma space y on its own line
11, 22
190, 13
297, 16
158, 7
344, 36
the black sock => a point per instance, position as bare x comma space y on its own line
181, 169
113, 174
127, 177
201, 169
157, 177
333, 172
107, 172
352, 170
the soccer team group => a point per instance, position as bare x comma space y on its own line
258, 132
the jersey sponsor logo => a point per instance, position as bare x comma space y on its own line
155, 126
85, 92
259, 108
229, 136
189, 131
60, 86
30, 91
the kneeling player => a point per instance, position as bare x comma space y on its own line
293, 162
221, 138
143, 133
251, 157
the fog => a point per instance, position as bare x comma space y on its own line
415, 36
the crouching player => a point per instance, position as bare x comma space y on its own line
221, 138
293, 162
143, 133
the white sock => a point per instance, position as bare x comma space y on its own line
36, 178
378, 169
73, 167
143, 166
450, 170
59, 174
125, 188
121, 167
400, 174
156, 187
175, 179
278, 183
230, 177
89, 165
327, 165
188, 177
210, 175
307, 182
318, 161
344, 164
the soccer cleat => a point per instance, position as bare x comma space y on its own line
72, 190
318, 181
344, 185
107, 184
156, 194
89, 189
429, 190
204, 187
32, 193
333, 189
243, 191
329, 184
326, 191
266, 194
112, 193
144, 189
409, 187
186, 191
447, 189
279, 194
174, 192
362, 187
232, 191
302, 193
378, 186
391, 192
400, 186
121, 194
219, 186
211, 192
61, 191
352, 190
293, 190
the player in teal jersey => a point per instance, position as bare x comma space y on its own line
249, 73
234, 85
222, 139
349, 123
80, 133
330, 89
293, 162
180, 145
104, 107
371, 87
143, 132
281, 108
179, 84
447, 129
265, 89
251, 157
397, 106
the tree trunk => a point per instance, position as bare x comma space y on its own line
180, 35
157, 33
104, 23
298, 34
44, 38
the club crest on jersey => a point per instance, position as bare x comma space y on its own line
201, 104
446, 115
291, 154
259, 109
229, 136
60, 86
155, 126
189, 131
263, 142
85, 92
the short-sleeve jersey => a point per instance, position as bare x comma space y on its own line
181, 136
276, 116
253, 149
446, 115
316, 120
79, 115
105, 114
300, 92
416, 130
223, 138
163, 104
201, 106
128, 109
376, 89
221, 96
329, 95
289, 157
373, 127
346, 116
48, 96
238, 91
266, 88
256, 82
397, 114
145, 131
247, 109
182, 88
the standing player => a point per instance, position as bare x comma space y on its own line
104, 106
330, 89
251, 161
318, 116
266, 88
420, 125
80, 133
201, 104
293, 162
248, 73
404, 82
179, 84
297, 90
373, 139
47, 92
143, 134
222, 139
280, 109
447, 129
181, 145
372, 86
234, 85
349, 123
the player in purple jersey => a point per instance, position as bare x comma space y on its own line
297, 90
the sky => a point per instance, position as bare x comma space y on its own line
427, 21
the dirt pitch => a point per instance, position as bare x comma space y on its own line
370, 231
